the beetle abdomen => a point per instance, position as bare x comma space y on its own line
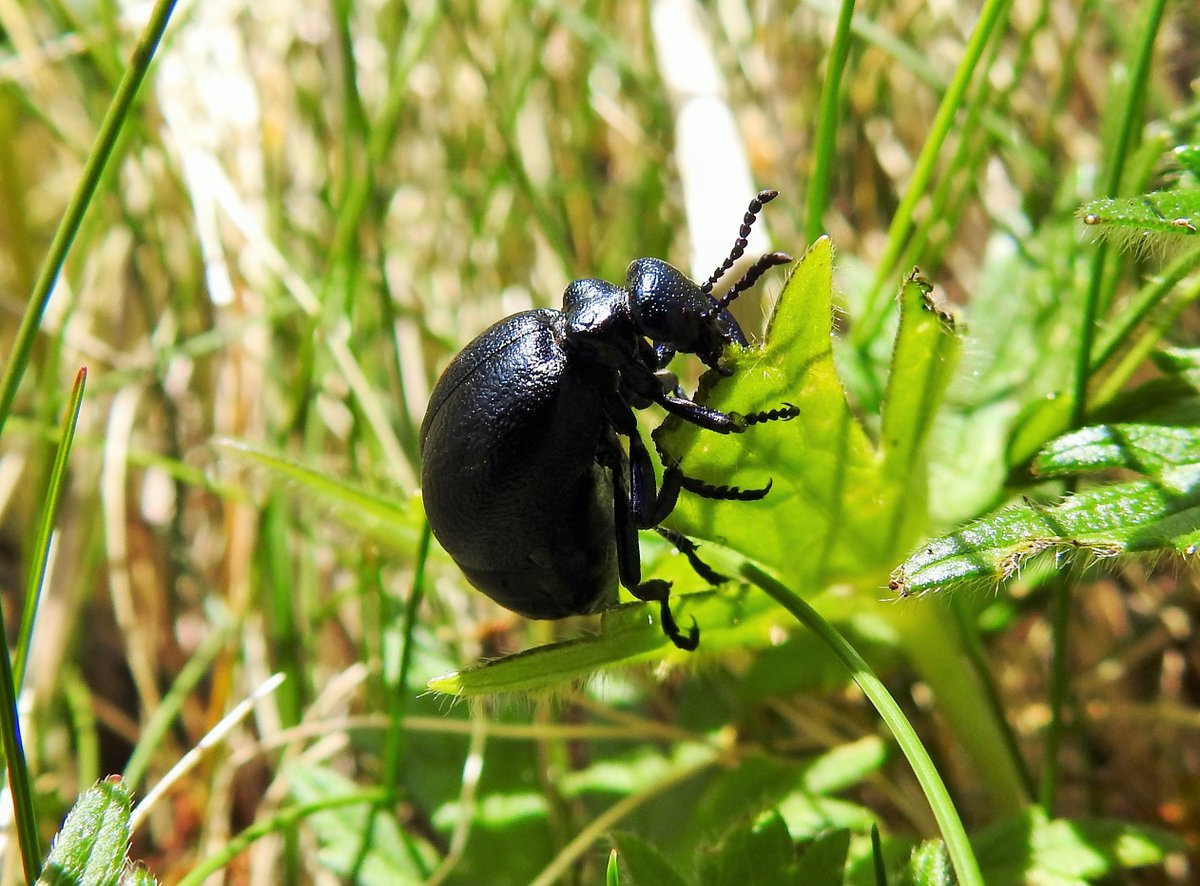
511, 485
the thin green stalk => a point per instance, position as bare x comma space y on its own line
1135, 356
874, 314
276, 824
81, 719
963, 703
106, 140
1146, 300
1083, 364
1059, 686
1112, 184
397, 694
163, 717
41, 550
18, 771
827, 124
957, 843
976, 656
280, 607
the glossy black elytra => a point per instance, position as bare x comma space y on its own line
526, 484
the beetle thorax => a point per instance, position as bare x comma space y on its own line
600, 322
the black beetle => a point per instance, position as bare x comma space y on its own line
526, 484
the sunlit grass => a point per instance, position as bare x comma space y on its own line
309, 209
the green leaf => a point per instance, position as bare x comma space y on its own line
930, 865
629, 635
823, 858
845, 765
394, 525
752, 853
826, 473
923, 362
643, 864
1034, 848
1184, 362
1106, 521
1157, 451
808, 814
631, 773
390, 855
1148, 221
90, 849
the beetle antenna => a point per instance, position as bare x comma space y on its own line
760, 267
739, 245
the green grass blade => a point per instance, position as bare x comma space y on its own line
376, 516
275, 824
398, 693
41, 550
163, 717
85, 191
990, 18
629, 635
827, 123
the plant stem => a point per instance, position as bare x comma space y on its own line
1083, 363
957, 844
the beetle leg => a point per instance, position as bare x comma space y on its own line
658, 591
651, 506
687, 547
673, 471
639, 381
704, 416
643, 497
629, 563
723, 422
725, 493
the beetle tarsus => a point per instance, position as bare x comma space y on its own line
688, 643
659, 591
725, 493
687, 547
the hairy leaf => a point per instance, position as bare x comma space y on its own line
93, 841
1103, 522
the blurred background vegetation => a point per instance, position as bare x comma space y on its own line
313, 207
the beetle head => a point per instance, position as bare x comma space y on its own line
673, 311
